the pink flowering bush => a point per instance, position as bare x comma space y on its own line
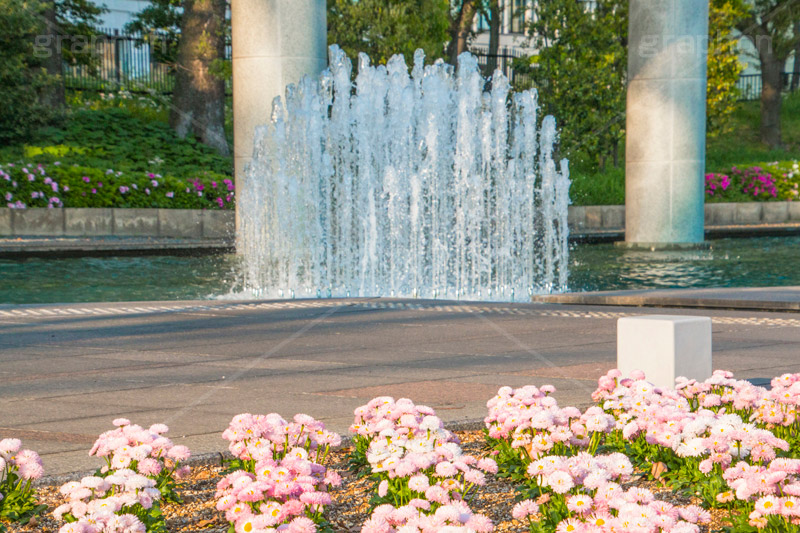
277, 482
145, 451
525, 424
121, 502
414, 518
720, 438
609, 509
18, 469
24, 185
776, 180
755, 181
124, 496
717, 183
417, 465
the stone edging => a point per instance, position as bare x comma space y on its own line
117, 222
587, 219
203, 224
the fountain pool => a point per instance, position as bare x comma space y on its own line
750, 262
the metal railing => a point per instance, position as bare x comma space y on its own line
505, 62
127, 61
124, 61
749, 85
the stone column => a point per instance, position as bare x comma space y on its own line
666, 122
275, 43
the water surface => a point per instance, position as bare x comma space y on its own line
754, 262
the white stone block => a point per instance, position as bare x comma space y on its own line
665, 347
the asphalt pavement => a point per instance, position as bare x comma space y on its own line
69, 369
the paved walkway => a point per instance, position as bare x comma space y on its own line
68, 370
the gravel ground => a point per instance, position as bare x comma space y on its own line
346, 514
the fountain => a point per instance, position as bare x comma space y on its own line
404, 185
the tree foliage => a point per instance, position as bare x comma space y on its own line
22, 76
77, 22
382, 28
159, 24
580, 72
724, 66
769, 24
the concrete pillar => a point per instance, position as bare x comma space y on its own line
665, 347
666, 122
275, 43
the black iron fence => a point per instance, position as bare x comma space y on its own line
124, 61
505, 61
749, 85
130, 62
119, 61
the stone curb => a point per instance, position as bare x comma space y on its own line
611, 218
117, 222
203, 224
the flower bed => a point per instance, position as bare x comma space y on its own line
643, 459
39, 185
779, 180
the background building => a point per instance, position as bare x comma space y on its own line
120, 12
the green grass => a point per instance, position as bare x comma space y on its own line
595, 187
741, 147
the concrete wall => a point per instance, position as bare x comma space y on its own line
108, 222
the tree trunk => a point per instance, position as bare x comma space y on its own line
796, 73
54, 95
198, 102
771, 70
494, 36
460, 28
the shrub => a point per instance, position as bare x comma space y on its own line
39, 185
22, 77
142, 468
717, 183
421, 476
277, 479
18, 468
756, 182
126, 134
779, 180
787, 178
